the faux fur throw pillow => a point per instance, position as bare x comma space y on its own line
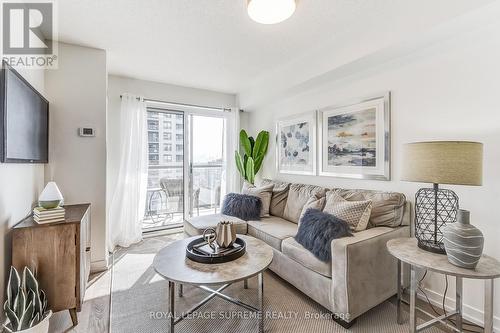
317, 230
264, 193
245, 207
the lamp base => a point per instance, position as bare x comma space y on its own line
431, 246
434, 209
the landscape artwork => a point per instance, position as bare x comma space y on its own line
296, 145
352, 139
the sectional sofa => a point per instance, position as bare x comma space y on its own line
361, 274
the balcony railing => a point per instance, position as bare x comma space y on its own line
165, 206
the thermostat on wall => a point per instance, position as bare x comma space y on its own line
86, 131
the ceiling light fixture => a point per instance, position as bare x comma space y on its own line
270, 11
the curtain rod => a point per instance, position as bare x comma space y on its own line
185, 105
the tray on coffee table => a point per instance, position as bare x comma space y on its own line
198, 250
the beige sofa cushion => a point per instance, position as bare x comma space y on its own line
355, 213
280, 194
272, 230
263, 192
313, 203
298, 195
196, 225
298, 253
387, 207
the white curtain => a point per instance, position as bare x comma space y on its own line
129, 199
231, 177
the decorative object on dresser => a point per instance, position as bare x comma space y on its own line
255, 150
463, 242
50, 197
439, 162
355, 139
26, 305
58, 248
296, 144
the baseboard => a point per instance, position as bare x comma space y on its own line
99, 266
471, 313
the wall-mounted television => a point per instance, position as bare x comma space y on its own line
24, 120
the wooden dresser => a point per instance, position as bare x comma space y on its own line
59, 253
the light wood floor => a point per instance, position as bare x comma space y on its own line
95, 314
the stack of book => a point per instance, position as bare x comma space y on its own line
42, 215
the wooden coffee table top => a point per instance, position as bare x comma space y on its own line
406, 250
172, 264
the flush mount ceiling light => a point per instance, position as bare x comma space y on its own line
270, 11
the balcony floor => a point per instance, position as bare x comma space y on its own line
171, 220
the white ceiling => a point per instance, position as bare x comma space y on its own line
213, 44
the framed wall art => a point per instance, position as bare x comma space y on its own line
354, 140
296, 144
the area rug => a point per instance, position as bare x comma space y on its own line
139, 303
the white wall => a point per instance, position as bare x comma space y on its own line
447, 91
20, 185
77, 93
118, 85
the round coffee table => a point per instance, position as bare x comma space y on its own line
171, 263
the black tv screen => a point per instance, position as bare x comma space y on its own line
24, 120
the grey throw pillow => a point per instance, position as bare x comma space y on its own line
355, 213
264, 193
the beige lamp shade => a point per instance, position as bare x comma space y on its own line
443, 162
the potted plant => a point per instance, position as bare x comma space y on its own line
26, 304
255, 150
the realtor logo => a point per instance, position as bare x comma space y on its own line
28, 33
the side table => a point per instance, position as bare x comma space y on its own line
407, 251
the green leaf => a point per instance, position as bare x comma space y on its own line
245, 143
35, 320
13, 287
250, 171
14, 320
252, 144
239, 163
261, 144
258, 163
24, 321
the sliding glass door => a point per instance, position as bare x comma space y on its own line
186, 175
206, 164
165, 190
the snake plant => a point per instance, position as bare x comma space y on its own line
26, 303
254, 152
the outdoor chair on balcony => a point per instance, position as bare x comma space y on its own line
173, 188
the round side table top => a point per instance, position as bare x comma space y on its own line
172, 264
406, 250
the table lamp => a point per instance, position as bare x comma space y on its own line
439, 162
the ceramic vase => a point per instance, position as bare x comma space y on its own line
226, 234
50, 197
463, 242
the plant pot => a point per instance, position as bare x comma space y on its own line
41, 327
463, 242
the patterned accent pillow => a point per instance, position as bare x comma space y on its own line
355, 213
264, 193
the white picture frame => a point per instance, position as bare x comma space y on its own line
298, 132
355, 140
